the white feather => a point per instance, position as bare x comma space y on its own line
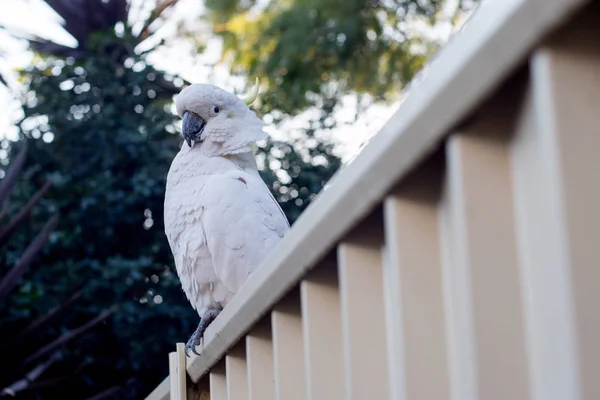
221, 221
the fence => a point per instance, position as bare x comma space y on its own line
458, 256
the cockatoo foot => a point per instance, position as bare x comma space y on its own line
208, 317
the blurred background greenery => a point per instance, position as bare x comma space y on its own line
91, 303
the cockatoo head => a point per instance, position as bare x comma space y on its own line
217, 120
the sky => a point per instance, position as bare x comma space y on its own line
34, 16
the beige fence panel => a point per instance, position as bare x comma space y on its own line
162, 391
218, 382
236, 373
555, 158
259, 358
288, 349
458, 257
363, 313
173, 376
413, 286
482, 270
322, 328
570, 67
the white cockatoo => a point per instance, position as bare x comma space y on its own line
221, 220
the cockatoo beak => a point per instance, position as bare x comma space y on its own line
192, 127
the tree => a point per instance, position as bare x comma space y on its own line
21, 376
99, 126
310, 52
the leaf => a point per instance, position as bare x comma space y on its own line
29, 378
7, 231
48, 316
17, 271
68, 336
48, 47
74, 15
154, 15
111, 391
11, 175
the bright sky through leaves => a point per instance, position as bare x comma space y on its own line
178, 58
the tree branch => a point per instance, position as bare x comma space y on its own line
10, 280
45, 318
11, 174
31, 376
67, 336
23, 213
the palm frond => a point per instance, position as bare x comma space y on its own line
70, 335
41, 321
12, 173
30, 377
18, 219
12, 278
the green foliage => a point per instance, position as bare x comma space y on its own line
309, 54
98, 123
111, 140
326, 48
101, 129
296, 176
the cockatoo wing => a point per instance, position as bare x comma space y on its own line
242, 223
186, 237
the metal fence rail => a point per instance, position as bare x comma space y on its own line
458, 257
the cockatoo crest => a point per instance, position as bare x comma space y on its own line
218, 121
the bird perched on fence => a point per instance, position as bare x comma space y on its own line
221, 220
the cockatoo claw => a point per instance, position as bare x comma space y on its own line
191, 344
198, 334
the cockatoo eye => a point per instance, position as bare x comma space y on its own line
216, 109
